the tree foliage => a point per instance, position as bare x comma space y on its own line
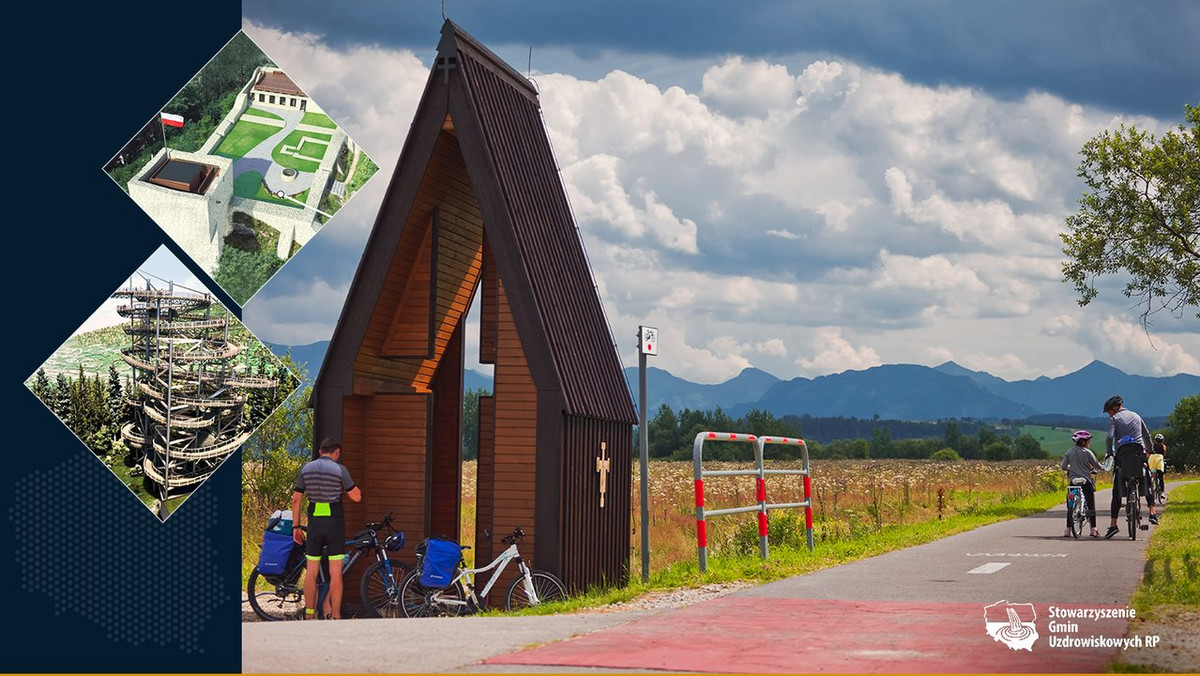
242, 273
1183, 434
1140, 215
470, 422
273, 455
86, 406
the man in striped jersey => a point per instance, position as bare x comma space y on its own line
323, 481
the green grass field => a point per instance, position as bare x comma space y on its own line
95, 350
250, 185
259, 112
244, 136
318, 120
1057, 440
314, 150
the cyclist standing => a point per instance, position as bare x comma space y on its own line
1124, 423
1080, 463
324, 480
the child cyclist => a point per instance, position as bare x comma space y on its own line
1080, 463
1156, 462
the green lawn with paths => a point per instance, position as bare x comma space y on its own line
259, 112
243, 137
302, 163
318, 120
250, 185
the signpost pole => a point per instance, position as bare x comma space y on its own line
645, 466
647, 345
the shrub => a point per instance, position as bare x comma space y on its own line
946, 455
785, 529
997, 451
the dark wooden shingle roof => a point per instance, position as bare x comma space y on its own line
496, 117
545, 234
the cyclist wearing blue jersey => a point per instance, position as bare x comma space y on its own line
1127, 433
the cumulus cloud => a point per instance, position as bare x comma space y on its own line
775, 213
749, 87
1124, 343
834, 354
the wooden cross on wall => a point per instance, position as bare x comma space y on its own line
602, 464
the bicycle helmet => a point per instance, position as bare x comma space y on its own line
1081, 435
1113, 402
1158, 437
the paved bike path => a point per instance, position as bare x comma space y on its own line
916, 610
920, 609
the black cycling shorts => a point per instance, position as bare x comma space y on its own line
326, 537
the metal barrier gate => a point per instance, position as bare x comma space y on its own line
761, 493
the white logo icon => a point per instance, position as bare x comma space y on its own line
1011, 624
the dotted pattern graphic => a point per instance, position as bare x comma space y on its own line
148, 582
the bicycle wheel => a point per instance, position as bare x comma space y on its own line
1078, 516
1131, 510
380, 589
417, 601
546, 586
271, 602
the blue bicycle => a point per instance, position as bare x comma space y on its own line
281, 597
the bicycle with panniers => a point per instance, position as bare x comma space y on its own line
275, 588
1130, 461
442, 585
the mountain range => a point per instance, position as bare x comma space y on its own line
891, 391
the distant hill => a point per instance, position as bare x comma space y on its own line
664, 388
1083, 392
309, 356
895, 391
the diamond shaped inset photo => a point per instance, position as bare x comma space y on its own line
162, 383
241, 168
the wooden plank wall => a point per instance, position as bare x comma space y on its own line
596, 539
515, 463
390, 465
488, 309
354, 457
445, 459
485, 481
409, 334
458, 244
383, 447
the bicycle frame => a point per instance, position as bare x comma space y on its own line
465, 578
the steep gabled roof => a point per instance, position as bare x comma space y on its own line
539, 256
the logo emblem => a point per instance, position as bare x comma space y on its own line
1011, 624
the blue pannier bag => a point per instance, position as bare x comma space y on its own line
440, 561
276, 550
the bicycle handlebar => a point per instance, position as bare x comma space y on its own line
517, 534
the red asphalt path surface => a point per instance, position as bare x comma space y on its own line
816, 636
916, 610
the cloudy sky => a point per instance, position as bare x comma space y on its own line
161, 268
800, 188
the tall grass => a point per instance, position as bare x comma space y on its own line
860, 507
851, 499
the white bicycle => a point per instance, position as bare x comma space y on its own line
531, 588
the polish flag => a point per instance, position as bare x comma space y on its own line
172, 120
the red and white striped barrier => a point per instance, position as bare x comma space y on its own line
761, 487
